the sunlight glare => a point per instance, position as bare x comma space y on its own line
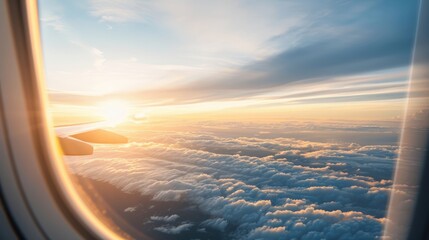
114, 111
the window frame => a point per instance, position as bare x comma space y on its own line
36, 192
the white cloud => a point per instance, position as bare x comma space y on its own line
130, 209
53, 21
174, 229
311, 191
119, 10
171, 218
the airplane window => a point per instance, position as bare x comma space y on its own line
231, 120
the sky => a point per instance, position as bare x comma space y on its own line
230, 59
248, 98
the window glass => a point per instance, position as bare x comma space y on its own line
242, 119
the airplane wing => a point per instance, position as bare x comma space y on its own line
76, 139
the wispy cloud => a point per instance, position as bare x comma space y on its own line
211, 28
119, 10
382, 42
53, 21
174, 229
99, 58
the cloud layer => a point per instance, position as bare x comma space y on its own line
277, 188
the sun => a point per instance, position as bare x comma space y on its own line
114, 111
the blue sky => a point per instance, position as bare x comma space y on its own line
227, 53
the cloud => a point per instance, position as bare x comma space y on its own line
169, 195
232, 28
174, 229
384, 42
98, 56
233, 31
167, 219
77, 98
53, 21
301, 189
216, 223
130, 209
119, 10
266, 232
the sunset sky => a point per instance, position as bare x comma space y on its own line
249, 119
230, 59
